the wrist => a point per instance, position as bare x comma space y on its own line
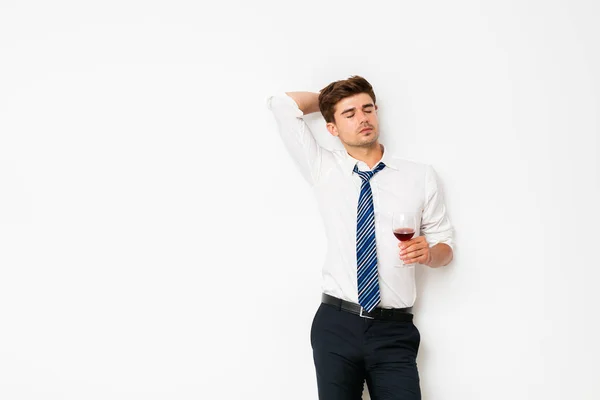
429, 261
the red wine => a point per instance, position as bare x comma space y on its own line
404, 234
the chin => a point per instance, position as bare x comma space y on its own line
370, 139
365, 143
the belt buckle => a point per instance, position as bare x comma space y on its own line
364, 316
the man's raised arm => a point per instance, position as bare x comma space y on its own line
288, 109
308, 102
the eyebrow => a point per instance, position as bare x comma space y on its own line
353, 108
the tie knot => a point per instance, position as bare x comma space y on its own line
367, 175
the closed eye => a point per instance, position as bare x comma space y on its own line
367, 111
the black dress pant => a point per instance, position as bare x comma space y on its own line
349, 349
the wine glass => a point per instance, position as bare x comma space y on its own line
404, 226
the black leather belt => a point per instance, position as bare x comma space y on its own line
393, 314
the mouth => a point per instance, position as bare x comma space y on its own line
366, 130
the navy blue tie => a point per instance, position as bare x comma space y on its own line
366, 251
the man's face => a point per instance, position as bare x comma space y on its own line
356, 123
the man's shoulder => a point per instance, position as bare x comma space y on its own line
408, 165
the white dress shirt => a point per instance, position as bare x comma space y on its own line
402, 185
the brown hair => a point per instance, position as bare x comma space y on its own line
331, 94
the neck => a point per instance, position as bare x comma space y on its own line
369, 155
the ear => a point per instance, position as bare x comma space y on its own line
332, 128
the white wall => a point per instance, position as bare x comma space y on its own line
157, 242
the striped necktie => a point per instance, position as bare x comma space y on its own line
366, 251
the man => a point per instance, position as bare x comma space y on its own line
363, 329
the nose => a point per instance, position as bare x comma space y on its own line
363, 117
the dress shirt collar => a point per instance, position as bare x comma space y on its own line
349, 162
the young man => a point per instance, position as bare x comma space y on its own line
363, 329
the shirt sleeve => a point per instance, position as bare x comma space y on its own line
296, 136
435, 224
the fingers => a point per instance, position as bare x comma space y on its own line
413, 244
416, 256
414, 250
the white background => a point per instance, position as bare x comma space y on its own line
157, 242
